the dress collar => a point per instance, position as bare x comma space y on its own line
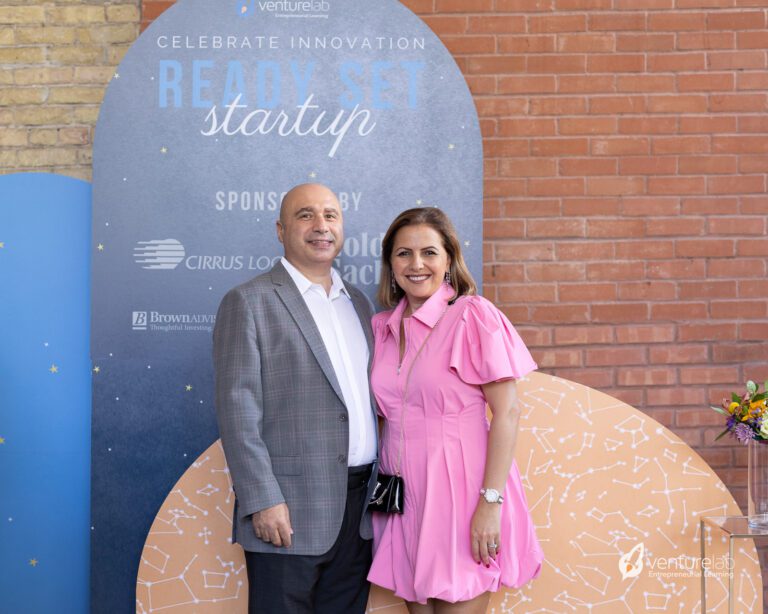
429, 313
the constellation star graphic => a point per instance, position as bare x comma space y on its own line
97, 369
188, 387
100, 247
54, 369
33, 562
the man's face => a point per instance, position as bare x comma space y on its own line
310, 227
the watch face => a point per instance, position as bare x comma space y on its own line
491, 495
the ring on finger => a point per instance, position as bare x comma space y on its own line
492, 545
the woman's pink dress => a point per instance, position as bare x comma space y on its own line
426, 551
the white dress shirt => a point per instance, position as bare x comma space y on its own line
344, 339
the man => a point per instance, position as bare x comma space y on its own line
291, 355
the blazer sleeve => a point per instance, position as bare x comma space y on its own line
239, 405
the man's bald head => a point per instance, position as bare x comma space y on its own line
305, 192
310, 229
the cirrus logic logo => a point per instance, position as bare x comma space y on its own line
159, 254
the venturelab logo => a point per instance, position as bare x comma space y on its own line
158, 254
631, 563
683, 565
139, 320
284, 8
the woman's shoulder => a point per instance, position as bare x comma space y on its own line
475, 307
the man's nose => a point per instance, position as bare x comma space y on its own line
321, 224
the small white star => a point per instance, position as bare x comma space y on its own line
110, 353
117, 75
466, 243
312, 174
149, 366
100, 247
117, 398
210, 287
151, 78
106, 223
97, 369
45, 344
10, 519
188, 387
163, 150
201, 401
109, 449
125, 178
419, 201
451, 146
185, 456
54, 369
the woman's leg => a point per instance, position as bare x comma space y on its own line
478, 605
421, 608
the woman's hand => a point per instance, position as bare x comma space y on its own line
484, 531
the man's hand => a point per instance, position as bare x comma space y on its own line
273, 525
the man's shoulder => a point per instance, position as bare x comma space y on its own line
256, 285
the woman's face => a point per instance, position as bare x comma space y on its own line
419, 262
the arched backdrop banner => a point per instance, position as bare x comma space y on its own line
215, 112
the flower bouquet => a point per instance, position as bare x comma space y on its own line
747, 415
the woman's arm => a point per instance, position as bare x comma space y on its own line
484, 530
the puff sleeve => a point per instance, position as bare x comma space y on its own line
486, 347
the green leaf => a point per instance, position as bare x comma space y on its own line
758, 397
720, 409
735, 398
721, 434
765, 385
751, 387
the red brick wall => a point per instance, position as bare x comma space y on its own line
626, 153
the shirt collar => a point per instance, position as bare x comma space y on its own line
303, 284
429, 313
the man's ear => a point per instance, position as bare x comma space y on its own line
279, 228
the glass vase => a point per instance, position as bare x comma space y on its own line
757, 494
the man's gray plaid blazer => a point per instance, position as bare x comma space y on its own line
281, 413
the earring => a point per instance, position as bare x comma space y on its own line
392, 282
448, 277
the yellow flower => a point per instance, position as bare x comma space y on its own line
733, 407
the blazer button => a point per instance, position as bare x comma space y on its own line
342, 458
343, 417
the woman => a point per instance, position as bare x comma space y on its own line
441, 354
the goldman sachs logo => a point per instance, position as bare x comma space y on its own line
159, 254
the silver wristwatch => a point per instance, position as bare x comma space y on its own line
491, 495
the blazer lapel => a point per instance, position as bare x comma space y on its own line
296, 306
